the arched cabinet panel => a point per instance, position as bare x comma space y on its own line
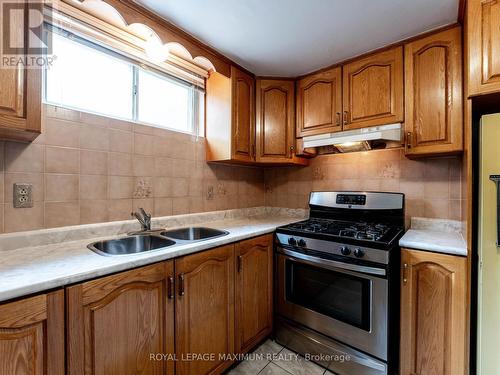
319, 103
433, 311
373, 90
434, 115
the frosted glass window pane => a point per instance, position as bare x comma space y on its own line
164, 102
85, 78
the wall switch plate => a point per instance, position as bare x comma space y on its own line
23, 195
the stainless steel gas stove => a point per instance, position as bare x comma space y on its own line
337, 286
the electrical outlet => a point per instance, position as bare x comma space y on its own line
23, 195
210, 193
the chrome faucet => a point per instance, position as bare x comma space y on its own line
143, 218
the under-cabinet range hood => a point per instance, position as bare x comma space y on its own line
355, 140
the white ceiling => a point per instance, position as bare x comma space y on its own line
295, 37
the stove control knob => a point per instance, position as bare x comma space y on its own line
301, 243
358, 253
292, 241
344, 250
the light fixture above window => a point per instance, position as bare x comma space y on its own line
155, 49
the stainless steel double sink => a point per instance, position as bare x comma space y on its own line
154, 240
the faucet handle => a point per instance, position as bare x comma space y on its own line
144, 213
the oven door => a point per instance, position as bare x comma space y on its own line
344, 301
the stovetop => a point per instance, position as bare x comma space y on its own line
345, 231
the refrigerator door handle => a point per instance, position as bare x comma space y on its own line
496, 179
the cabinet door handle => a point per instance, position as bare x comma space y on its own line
181, 284
239, 261
405, 273
170, 292
408, 140
346, 117
292, 148
338, 119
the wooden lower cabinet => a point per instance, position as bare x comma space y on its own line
204, 311
433, 314
32, 335
115, 323
254, 285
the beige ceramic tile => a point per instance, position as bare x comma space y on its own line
119, 164
119, 209
162, 206
162, 187
436, 208
93, 162
61, 133
120, 187
24, 157
61, 187
180, 187
120, 141
60, 214
21, 219
180, 206
93, 211
143, 165
61, 113
62, 160
1, 218
143, 144
93, 187
94, 137
297, 365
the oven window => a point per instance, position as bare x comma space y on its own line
340, 296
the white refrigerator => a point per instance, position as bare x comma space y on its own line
488, 313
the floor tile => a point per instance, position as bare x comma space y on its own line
269, 347
272, 369
249, 367
296, 364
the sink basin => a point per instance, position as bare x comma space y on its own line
194, 234
130, 245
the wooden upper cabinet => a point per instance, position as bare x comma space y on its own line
319, 103
204, 312
433, 313
115, 322
20, 88
483, 40
254, 285
32, 335
373, 90
275, 127
243, 109
433, 88
230, 117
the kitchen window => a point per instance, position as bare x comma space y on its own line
89, 77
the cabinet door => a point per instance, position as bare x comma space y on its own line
254, 285
373, 90
319, 103
243, 119
21, 89
115, 323
433, 311
483, 33
204, 311
275, 121
32, 335
434, 108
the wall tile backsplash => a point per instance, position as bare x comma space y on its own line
89, 169
432, 186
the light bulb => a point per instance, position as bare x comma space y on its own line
155, 50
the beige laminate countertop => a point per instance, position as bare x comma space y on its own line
32, 262
441, 236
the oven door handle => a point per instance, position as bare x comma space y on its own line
327, 263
